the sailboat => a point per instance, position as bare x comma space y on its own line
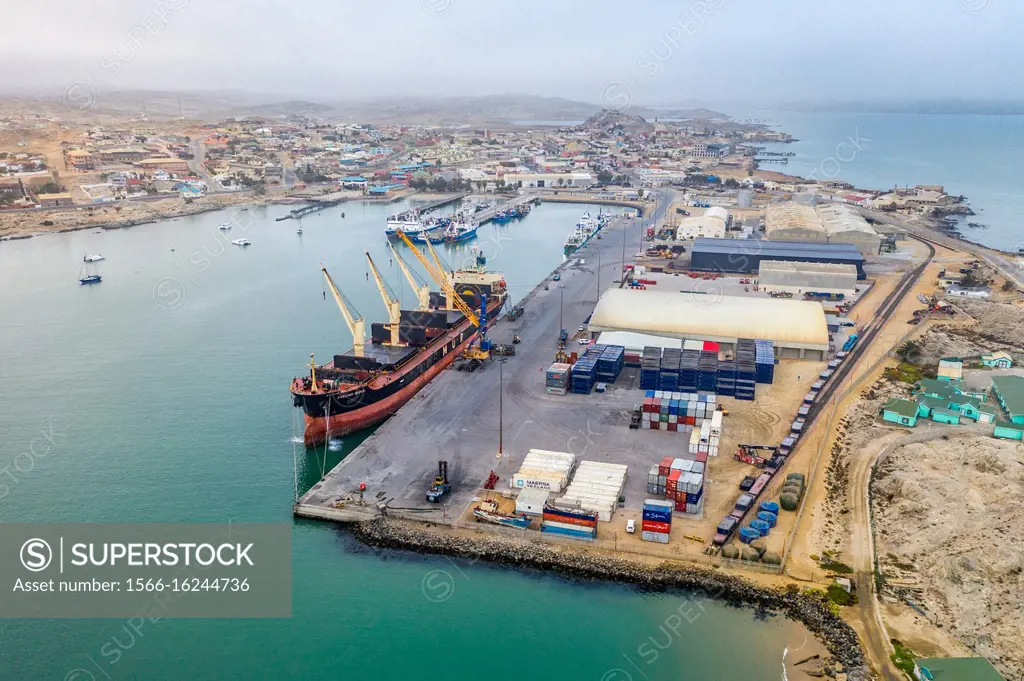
94, 257
87, 278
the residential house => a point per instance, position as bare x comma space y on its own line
54, 200
973, 408
900, 411
81, 160
951, 369
1009, 392
947, 416
170, 165
926, 404
997, 360
1008, 431
955, 669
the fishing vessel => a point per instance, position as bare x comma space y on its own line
585, 228
95, 257
90, 279
224, 226
487, 512
242, 242
366, 384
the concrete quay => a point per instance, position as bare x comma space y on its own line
455, 418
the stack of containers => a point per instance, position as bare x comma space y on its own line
764, 361
610, 363
574, 523
716, 433
726, 377
688, 368
668, 377
656, 479
657, 521
675, 411
650, 367
707, 371
543, 469
584, 371
746, 369
595, 487
694, 488
557, 378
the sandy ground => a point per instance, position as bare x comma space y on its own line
122, 213
950, 526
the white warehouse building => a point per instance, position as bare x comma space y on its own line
550, 180
828, 222
797, 327
712, 224
778, 276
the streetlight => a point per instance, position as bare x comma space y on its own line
561, 298
501, 404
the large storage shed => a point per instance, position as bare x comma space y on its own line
843, 224
796, 327
744, 256
801, 277
793, 221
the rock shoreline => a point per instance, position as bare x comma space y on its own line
838, 637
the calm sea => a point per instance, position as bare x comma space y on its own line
971, 155
166, 389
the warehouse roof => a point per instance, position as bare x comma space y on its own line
793, 323
791, 215
778, 250
815, 267
839, 217
1010, 388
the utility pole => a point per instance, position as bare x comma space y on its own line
599, 275
561, 298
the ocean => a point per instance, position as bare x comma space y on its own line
165, 391
970, 155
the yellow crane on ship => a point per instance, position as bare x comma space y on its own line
480, 349
355, 322
390, 302
416, 282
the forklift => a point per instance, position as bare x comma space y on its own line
749, 454
441, 485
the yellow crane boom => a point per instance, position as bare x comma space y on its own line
354, 320
419, 286
390, 301
438, 274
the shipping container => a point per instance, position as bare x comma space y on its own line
659, 537
573, 533
531, 501
655, 526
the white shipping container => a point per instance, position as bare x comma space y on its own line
659, 537
712, 398
677, 463
531, 501
646, 425
552, 484
662, 425
716, 421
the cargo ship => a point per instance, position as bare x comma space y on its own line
370, 382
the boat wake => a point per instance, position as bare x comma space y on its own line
297, 440
335, 444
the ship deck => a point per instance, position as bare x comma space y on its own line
455, 417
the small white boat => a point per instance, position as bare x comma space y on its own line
242, 242
94, 257
299, 230
225, 226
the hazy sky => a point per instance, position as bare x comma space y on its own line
657, 52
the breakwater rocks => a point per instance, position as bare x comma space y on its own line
813, 612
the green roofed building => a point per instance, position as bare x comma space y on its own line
1009, 431
901, 411
955, 669
1009, 392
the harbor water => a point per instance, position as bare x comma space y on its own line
164, 391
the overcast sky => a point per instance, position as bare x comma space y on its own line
660, 51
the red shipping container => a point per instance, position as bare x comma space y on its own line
710, 346
665, 466
655, 526
702, 457
673, 427
690, 420
681, 505
569, 520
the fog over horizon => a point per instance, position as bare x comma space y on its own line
656, 53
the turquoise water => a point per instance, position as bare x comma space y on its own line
972, 155
166, 389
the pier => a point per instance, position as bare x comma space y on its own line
485, 216
455, 418
434, 205
316, 206
771, 160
